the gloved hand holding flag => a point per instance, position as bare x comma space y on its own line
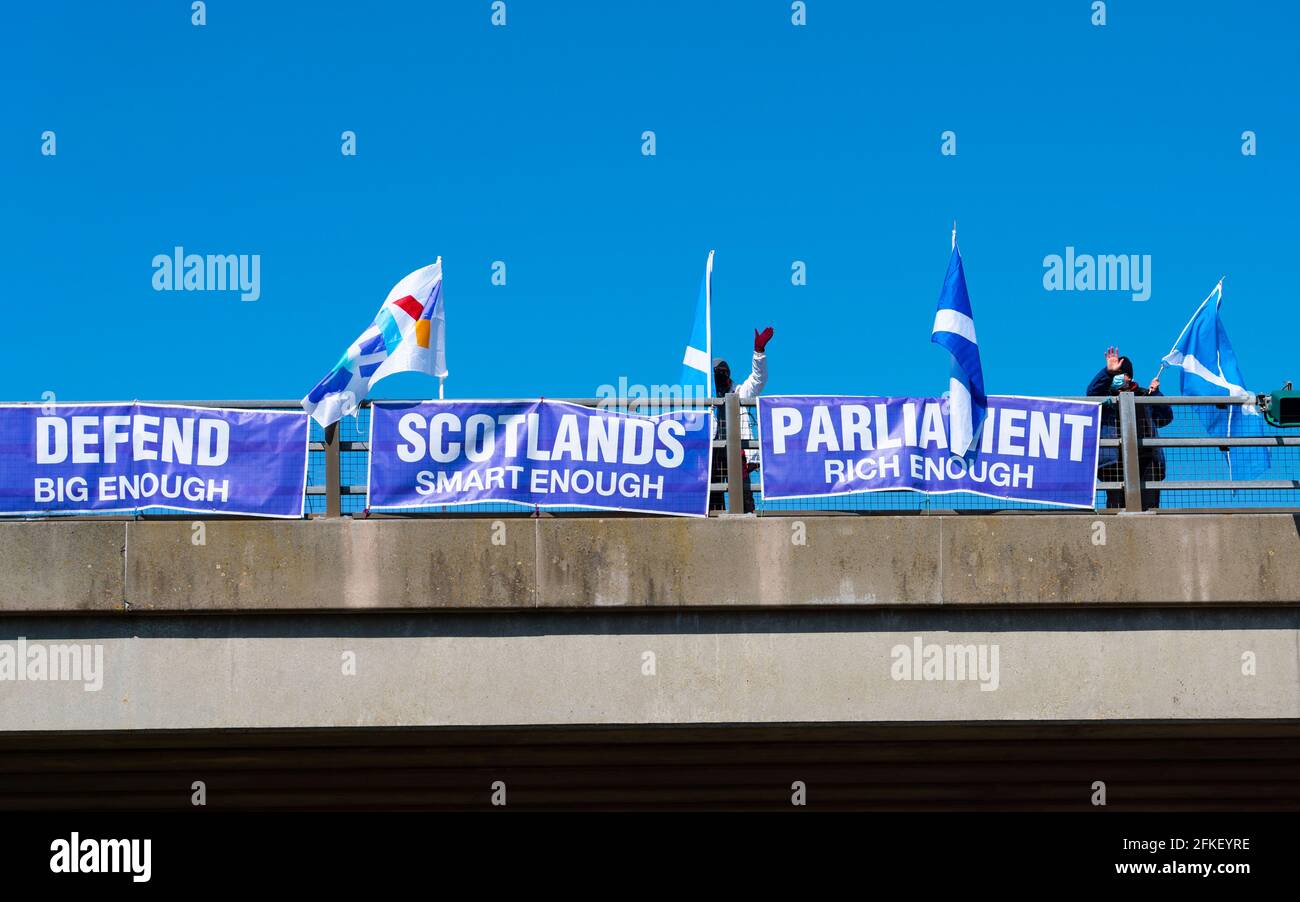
407, 335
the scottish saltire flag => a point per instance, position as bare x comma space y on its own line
1208, 366
408, 335
954, 329
697, 363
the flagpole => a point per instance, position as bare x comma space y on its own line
442, 378
708, 323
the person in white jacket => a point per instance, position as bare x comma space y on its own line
752, 387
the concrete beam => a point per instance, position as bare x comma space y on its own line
1126, 559
582, 563
738, 562
662, 668
331, 564
70, 566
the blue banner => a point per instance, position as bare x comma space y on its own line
99, 458
1030, 449
538, 453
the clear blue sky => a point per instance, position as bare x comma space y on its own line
775, 143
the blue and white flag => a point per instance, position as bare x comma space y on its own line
697, 363
954, 329
408, 335
1208, 367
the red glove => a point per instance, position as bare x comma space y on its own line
761, 339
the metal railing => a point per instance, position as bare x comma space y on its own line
1196, 473
1132, 443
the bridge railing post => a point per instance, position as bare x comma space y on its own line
1129, 450
333, 472
735, 457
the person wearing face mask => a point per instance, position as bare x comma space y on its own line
1116, 377
752, 387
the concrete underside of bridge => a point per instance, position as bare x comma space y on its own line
1004, 661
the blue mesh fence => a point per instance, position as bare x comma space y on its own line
1214, 464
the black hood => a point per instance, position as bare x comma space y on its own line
721, 376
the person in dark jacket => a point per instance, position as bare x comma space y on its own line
1117, 377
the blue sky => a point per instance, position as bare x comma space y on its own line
522, 143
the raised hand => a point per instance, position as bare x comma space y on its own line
761, 339
1112, 360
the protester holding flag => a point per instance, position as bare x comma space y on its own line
752, 387
1116, 377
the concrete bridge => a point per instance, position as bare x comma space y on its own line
992, 658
